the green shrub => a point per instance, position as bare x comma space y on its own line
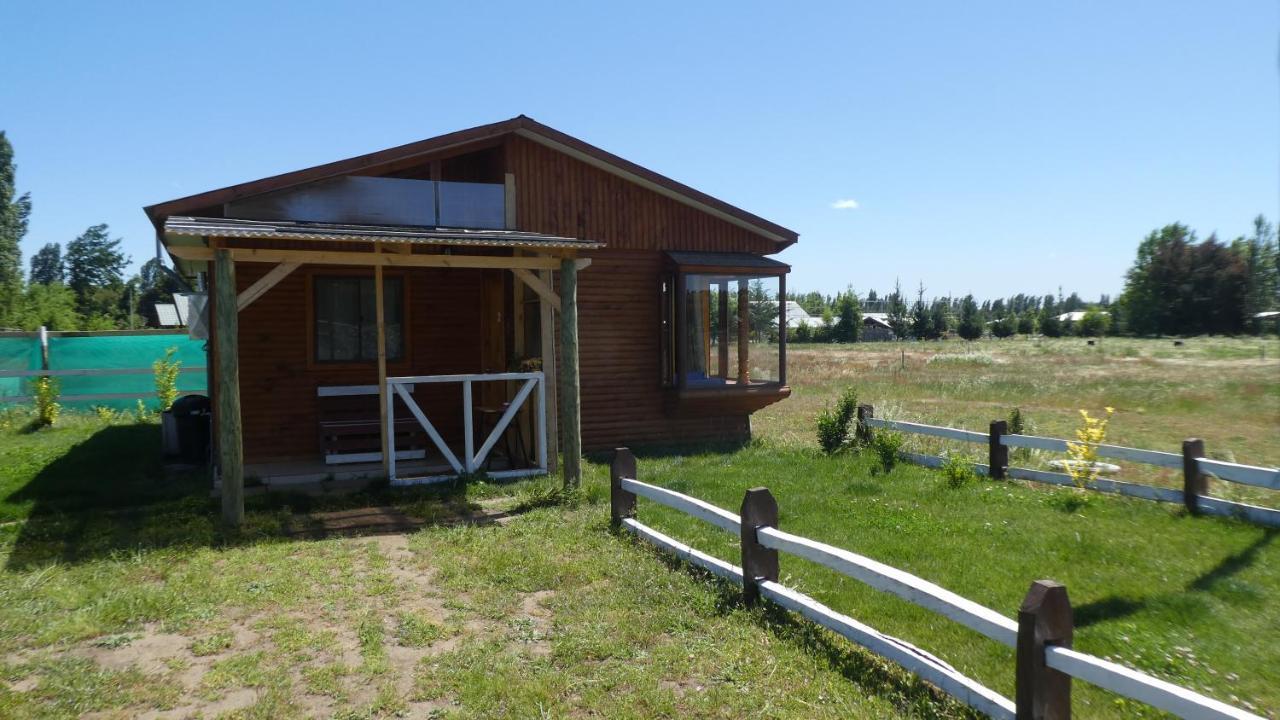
166, 375
959, 471
1016, 422
886, 444
46, 392
834, 422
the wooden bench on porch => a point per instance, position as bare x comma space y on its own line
350, 427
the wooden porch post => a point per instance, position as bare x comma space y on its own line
744, 332
226, 340
570, 407
379, 310
782, 329
722, 314
546, 324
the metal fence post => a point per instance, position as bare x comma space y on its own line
997, 452
759, 563
863, 431
622, 503
1044, 619
1194, 482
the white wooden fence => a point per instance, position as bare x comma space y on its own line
1195, 467
1041, 634
472, 459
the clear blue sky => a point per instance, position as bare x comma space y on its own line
991, 148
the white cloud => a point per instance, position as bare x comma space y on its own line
846, 204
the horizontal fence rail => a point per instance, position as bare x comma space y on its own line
892, 580
1191, 462
934, 430
1040, 693
685, 504
1131, 683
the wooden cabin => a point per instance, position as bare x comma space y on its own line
474, 302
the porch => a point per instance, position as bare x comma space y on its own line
357, 341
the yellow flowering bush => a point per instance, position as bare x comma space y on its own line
45, 390
1083, 467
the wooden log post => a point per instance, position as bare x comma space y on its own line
1194, 482
379, 305
863, 430
1044, 619
997, 452
759, 563
782, 329
226, 341
722, 339
547, 346
570, 402
622, 503
744, 332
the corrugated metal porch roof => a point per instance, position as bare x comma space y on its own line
289, 230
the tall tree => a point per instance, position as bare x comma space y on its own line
848, 317
920, 316
970, 327
94, 271
15, 212
1260, 255
897, 311
46, 265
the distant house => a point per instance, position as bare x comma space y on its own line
797, 316
1076, 316
876, 327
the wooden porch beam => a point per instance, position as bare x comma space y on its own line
544, 290
333, 257
380, 317
571, 405
546, 323
265, 283
227, 345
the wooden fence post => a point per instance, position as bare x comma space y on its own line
1194, 482
759, 563
863, 431
1044, 619
997, 452
622, 503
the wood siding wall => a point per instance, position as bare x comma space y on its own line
618, 296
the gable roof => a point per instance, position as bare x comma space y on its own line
519, 125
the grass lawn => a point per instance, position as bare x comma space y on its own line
120, 595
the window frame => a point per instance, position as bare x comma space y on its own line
672, 303
312, 320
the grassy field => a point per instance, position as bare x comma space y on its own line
120, 595
1224, 390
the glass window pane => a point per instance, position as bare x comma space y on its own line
714, 312
346, 319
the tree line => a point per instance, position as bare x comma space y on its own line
79, 287
1178, 285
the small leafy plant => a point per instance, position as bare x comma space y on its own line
1083, 466
46, 392
166, 371
1017, 423
959, 471
886, 444
834, 422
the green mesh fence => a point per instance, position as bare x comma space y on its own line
18, 353
103, 352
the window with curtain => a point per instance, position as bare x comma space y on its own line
346, 318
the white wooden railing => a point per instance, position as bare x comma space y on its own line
532, 383
1038, 655
1191, 462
